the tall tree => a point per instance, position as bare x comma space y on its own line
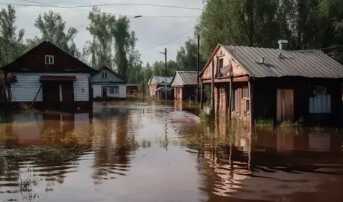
124, 44
304, 23
11, 45
187, 56
100, 48
244, 22
53, 28
113, 44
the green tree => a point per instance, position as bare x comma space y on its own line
53, 28
187, 56
113, 44
305, 24
11, 40
124, 45
244, 22
100, 48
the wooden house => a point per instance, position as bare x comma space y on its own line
261, 83
49, 78
185, 85
156, 83
107, 84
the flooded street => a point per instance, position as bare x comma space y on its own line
149, 152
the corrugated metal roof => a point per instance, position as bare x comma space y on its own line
160, 80
282, 63
187, 77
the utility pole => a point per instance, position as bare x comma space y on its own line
165, 53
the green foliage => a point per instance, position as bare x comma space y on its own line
11, 45
244, 22
100, 48
304, 23
53, 28
113, 44
187, 56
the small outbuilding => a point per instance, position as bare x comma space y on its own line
133, 90
107, 84
185, 85
49, 78
156, 83
252, 83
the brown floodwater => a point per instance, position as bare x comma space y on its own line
146, 152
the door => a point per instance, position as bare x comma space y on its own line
67, 96
285, 105
104, 92
51, 95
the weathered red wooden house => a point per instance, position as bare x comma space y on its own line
260, 83
49, 78
185, 85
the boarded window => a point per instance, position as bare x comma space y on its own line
320, 102
241, 102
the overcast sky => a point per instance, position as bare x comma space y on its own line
153, 31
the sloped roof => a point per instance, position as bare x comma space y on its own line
34, 61
283, 63
186, 78
160, 80
114, 78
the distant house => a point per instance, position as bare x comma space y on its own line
263, 83
156, 83
107, 84
50, 78
185, 85
3, 95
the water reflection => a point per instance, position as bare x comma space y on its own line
113, 144
273, 164
154, 152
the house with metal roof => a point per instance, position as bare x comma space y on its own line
107, 84
157, 84
252, 83
185, 85
48, 77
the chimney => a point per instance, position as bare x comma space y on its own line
262, 60
282, 44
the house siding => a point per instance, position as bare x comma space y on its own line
28, 84
97, 90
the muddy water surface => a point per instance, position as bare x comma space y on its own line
153, 152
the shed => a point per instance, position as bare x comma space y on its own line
50, 78
185, 85
107, 84
156, 82
133, 90
282, 85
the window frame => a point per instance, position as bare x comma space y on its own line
49, 59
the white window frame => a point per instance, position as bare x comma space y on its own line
49, 59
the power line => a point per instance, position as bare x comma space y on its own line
30, 3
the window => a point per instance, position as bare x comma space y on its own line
49, 59
320, 101
114, 90
104, 75
220, 67
221, 63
